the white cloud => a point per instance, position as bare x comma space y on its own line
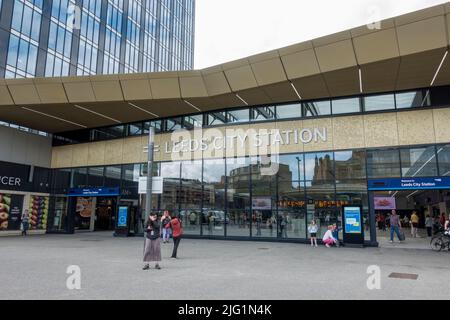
231, 29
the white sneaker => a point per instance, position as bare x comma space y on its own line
390, 241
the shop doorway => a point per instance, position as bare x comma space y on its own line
95, 213
434, 203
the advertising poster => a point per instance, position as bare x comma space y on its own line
84, 210
352, 217
5, 205
262, 203
384, 203
15, 212
123, 217
38, 212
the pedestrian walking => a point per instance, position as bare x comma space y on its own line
429, 225
25, 222
312, 229
414, 223
165, 219
152, 249
396, 226
176, 225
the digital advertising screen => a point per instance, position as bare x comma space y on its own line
352, 219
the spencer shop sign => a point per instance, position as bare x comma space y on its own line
10, 181
14, 176
215, 139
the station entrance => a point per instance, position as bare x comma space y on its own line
423, 205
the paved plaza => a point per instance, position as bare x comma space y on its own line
35, 268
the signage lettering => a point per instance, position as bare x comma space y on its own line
241, 138
10, 181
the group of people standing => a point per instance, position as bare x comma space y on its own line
155, 229
395, 223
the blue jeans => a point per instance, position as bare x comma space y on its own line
166, 234
396, 230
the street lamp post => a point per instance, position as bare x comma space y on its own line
151, 144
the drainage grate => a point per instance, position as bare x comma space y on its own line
92, 240
410, 276
263, 248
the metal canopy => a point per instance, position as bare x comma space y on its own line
405, 53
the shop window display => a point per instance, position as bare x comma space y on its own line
38, 212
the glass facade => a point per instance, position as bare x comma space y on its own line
55, 38
287, 111
232, 197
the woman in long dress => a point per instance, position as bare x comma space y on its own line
152, 250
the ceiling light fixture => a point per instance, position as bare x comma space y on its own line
296, 91
143, 110
96, 113
439, 68
239, 97
360, 80
193, 106
54, 117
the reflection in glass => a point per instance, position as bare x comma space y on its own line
79, 178
289, 111
112, 176
238, 173
383, 163
316, 108
213, 212
418, 162
191, 122
263, 113
291, 210
444, 160
241, 115
95, 177
412, 99
321, 204
191, 194
319, 166
263, 201
170, 199
157, 124
347, 105
173, 124
350, 164
134, 129
379, 102
290, 167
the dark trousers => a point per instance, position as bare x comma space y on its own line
176, 242
429, 231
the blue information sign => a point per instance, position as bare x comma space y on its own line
352, 219
122, 217
409, 183
94, 192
